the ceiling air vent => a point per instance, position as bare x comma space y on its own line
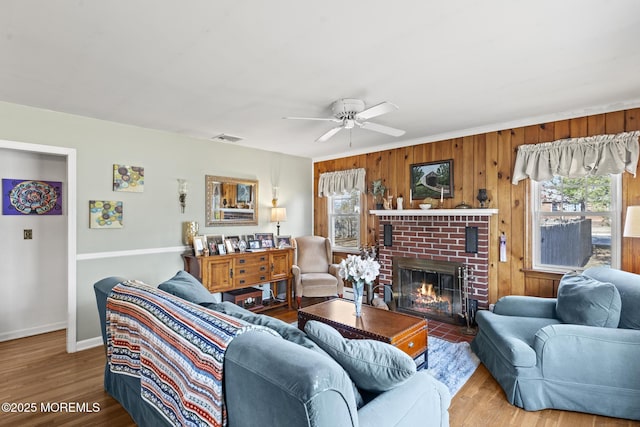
223, 137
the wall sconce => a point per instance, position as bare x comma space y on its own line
182, 193
277, 215
274, 197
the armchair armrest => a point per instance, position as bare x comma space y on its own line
334, 269
524, 306
422, 400
589, 355
297, 284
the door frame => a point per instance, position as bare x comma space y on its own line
70, 156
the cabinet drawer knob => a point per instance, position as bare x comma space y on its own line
411, 344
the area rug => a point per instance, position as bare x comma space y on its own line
451, 363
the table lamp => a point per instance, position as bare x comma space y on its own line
277, 215
632, 222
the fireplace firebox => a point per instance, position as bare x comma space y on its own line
429, 288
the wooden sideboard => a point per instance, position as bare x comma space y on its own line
222, 273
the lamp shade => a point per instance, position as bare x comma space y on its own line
278, 214
632, 223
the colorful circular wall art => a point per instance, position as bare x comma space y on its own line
128, 178
31, 197
105, 214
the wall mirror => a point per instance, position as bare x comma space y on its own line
231, 201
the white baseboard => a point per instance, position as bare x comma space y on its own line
90, 343
37, 330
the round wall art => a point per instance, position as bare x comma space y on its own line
31, 197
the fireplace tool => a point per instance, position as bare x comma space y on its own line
465, 275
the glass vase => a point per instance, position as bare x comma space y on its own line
358, 291
189, 230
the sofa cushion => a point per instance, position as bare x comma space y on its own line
628, 285
286, 331
372, 365
583, 300
187, 287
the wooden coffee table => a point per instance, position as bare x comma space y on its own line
408, 333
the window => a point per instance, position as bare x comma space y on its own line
344, 220
576, 222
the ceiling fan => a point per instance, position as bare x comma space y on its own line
351, 113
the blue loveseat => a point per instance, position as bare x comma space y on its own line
283, 380
578, 352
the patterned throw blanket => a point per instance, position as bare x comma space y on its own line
175, 347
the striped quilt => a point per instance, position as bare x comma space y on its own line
175, 347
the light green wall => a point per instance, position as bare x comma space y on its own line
152, 219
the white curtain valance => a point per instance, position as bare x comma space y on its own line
578, 157
340, 182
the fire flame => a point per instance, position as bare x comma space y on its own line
426, 289
427, 298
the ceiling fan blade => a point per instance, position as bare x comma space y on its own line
381, 128
376, 110
329, 134
324, 119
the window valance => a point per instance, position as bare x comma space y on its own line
578, 157
340, 182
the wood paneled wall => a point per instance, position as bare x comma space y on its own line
487, 161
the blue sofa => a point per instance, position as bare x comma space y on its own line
547, 353
282, 381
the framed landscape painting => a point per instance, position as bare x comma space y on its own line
432, 180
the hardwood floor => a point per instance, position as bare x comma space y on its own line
37, 370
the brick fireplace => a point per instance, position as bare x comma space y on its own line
459, 237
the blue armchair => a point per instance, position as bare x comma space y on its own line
543, 359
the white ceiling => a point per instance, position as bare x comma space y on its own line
205, 67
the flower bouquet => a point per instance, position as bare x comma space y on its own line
360, 269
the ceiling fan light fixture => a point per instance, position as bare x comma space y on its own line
347, 107
350, 113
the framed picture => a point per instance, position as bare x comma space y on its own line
213, 240
106, 214
262, 237
199, 243
31, 197
432, 180
283, 241
234, 242
266, 243
243, 193
222, 249
228, 244
128, 178
254, 244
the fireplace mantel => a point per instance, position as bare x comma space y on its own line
434, 212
